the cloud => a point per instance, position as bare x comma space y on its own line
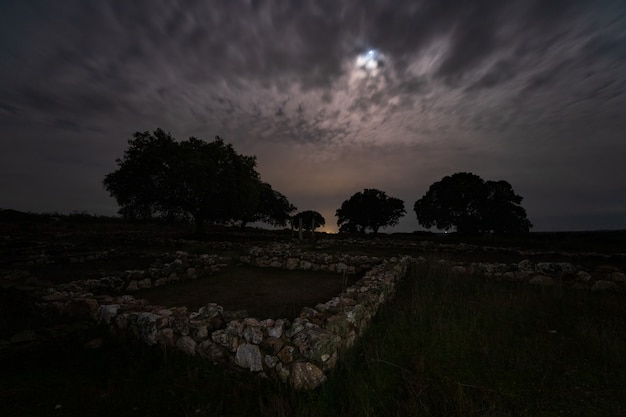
503, 89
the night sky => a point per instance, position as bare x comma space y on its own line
331, 96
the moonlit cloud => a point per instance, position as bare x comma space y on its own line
527, 91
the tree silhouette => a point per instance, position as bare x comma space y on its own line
311, 220
207, 181
370, 209
472, 206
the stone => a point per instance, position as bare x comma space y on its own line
277, 329
82, 308
292, 263
296, 327
603, 285
272, 345
305, 265
147, 325
253, 335
166, 337
144, 283
286, 354
229, 341
271, 361
108, 312
305, 376
541, 280
132, 286
283, 372
618, 276
235, 328
582, 276
210, 310
249, 356
179, 321
338, 324
526, 267
187, 345
212, 351
314, 343
555, 269
198, 330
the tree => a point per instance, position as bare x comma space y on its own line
472, 206
270, 207
370, 209
311, 220
206, 181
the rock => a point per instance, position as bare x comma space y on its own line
82, 308
147, 324
541, 280
249, 356
198, 330
253, 335
229, 341
286, 354
283, 372
271, 361
555, 269
305, 265
211, 351
187, 345
277, 329
144, 283
316, 343
210, 311
618, 276
305, 376
292, 263
179, 321
338, 324
526, 267
582, 276
272, 345
108, 312
603, 285
166, 337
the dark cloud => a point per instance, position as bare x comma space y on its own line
503, 89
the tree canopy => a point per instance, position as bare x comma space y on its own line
207, 181
311, 220
472, 206
369, 210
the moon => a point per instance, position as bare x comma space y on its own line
370, 61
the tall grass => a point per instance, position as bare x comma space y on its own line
447, 345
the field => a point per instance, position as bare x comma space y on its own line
447, 345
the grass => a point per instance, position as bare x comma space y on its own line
447, 345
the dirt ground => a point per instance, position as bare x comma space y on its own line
263, 292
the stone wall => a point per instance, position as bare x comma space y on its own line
288, 256
298, 352
600, 278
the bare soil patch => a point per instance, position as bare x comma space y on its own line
262, 292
